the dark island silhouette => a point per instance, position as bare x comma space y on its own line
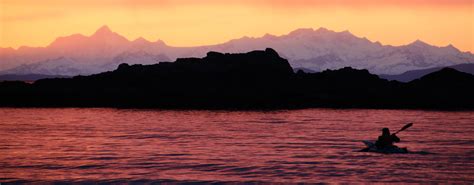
254, 80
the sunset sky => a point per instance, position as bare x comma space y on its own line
203, 22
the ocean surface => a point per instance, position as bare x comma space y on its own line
295, 146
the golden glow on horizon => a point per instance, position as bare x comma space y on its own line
204, 22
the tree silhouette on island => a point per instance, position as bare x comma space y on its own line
254, 80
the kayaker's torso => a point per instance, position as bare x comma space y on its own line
386, 141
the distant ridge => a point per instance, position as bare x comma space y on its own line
416, 74
255, 80
27, 77
310, 49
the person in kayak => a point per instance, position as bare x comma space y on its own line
386, 139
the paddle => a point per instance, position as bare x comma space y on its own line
404, 128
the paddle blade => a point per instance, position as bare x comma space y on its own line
406, 126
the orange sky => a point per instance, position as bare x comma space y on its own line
201, 22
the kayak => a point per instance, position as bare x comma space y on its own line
387, 150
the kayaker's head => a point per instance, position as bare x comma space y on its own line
385, 132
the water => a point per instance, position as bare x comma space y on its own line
311, 146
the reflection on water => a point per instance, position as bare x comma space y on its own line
317, 145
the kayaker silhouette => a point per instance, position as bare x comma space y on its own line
386, 139
384, 143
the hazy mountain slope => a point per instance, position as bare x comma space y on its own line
416, 74
58, 66
27, 77
81, 55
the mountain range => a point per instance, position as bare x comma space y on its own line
310, 49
